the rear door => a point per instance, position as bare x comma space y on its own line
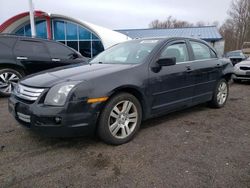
33, 55
207, 69
62, 55
173, 86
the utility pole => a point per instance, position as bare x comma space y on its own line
32, 19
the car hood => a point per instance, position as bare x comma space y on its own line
244, 63
77, 73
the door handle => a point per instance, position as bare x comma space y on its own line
21, 58
188, 69
56, 59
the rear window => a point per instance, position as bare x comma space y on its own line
6, 46
201, 51
5, 50
31, 48
8, 41
59, 50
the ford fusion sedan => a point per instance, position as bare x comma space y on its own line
122, 86
242, 71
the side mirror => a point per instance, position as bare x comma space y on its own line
163, 62
166, 61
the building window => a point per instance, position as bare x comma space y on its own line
84, 34
77, 37
68, 33
71, 31
97, 47
59, 30
41, 30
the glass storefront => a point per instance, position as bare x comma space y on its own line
41, 29
71, 34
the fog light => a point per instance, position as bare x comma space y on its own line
58, 120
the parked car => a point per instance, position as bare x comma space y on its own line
242, 71
236, 56
122, 86
21, 56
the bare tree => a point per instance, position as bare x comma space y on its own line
170, 22
200, 24
236, 29
228, 31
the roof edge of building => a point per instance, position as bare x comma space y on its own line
194, 27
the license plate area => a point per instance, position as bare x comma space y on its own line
22, 113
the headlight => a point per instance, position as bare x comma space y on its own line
58, 94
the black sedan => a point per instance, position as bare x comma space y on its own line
122, 86
21, 56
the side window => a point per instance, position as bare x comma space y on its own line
178, 50
59, 51
5, 50
6, 46
29, 48
201, 51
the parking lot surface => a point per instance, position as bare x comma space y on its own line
197, 147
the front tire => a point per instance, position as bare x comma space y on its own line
120, 119
220, 95
8, 77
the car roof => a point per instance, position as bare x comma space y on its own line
9, 35
33, 39
235, 51
166, 39
169, 38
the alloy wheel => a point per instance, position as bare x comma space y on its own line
7, 80
222, 93
123, 119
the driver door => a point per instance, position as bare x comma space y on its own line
173, 86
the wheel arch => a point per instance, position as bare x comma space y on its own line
135, 92
16, 67
227, 76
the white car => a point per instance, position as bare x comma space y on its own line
242, 71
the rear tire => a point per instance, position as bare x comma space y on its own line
8, 77
220, 95
120, 119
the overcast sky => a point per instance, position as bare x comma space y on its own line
124, 14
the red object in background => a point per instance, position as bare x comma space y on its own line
37, 14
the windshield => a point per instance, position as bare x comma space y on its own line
132, 52
237, 53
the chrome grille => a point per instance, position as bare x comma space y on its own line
27, 93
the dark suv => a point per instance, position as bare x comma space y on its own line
21, 56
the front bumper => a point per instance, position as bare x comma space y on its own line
73, 120
241, 75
